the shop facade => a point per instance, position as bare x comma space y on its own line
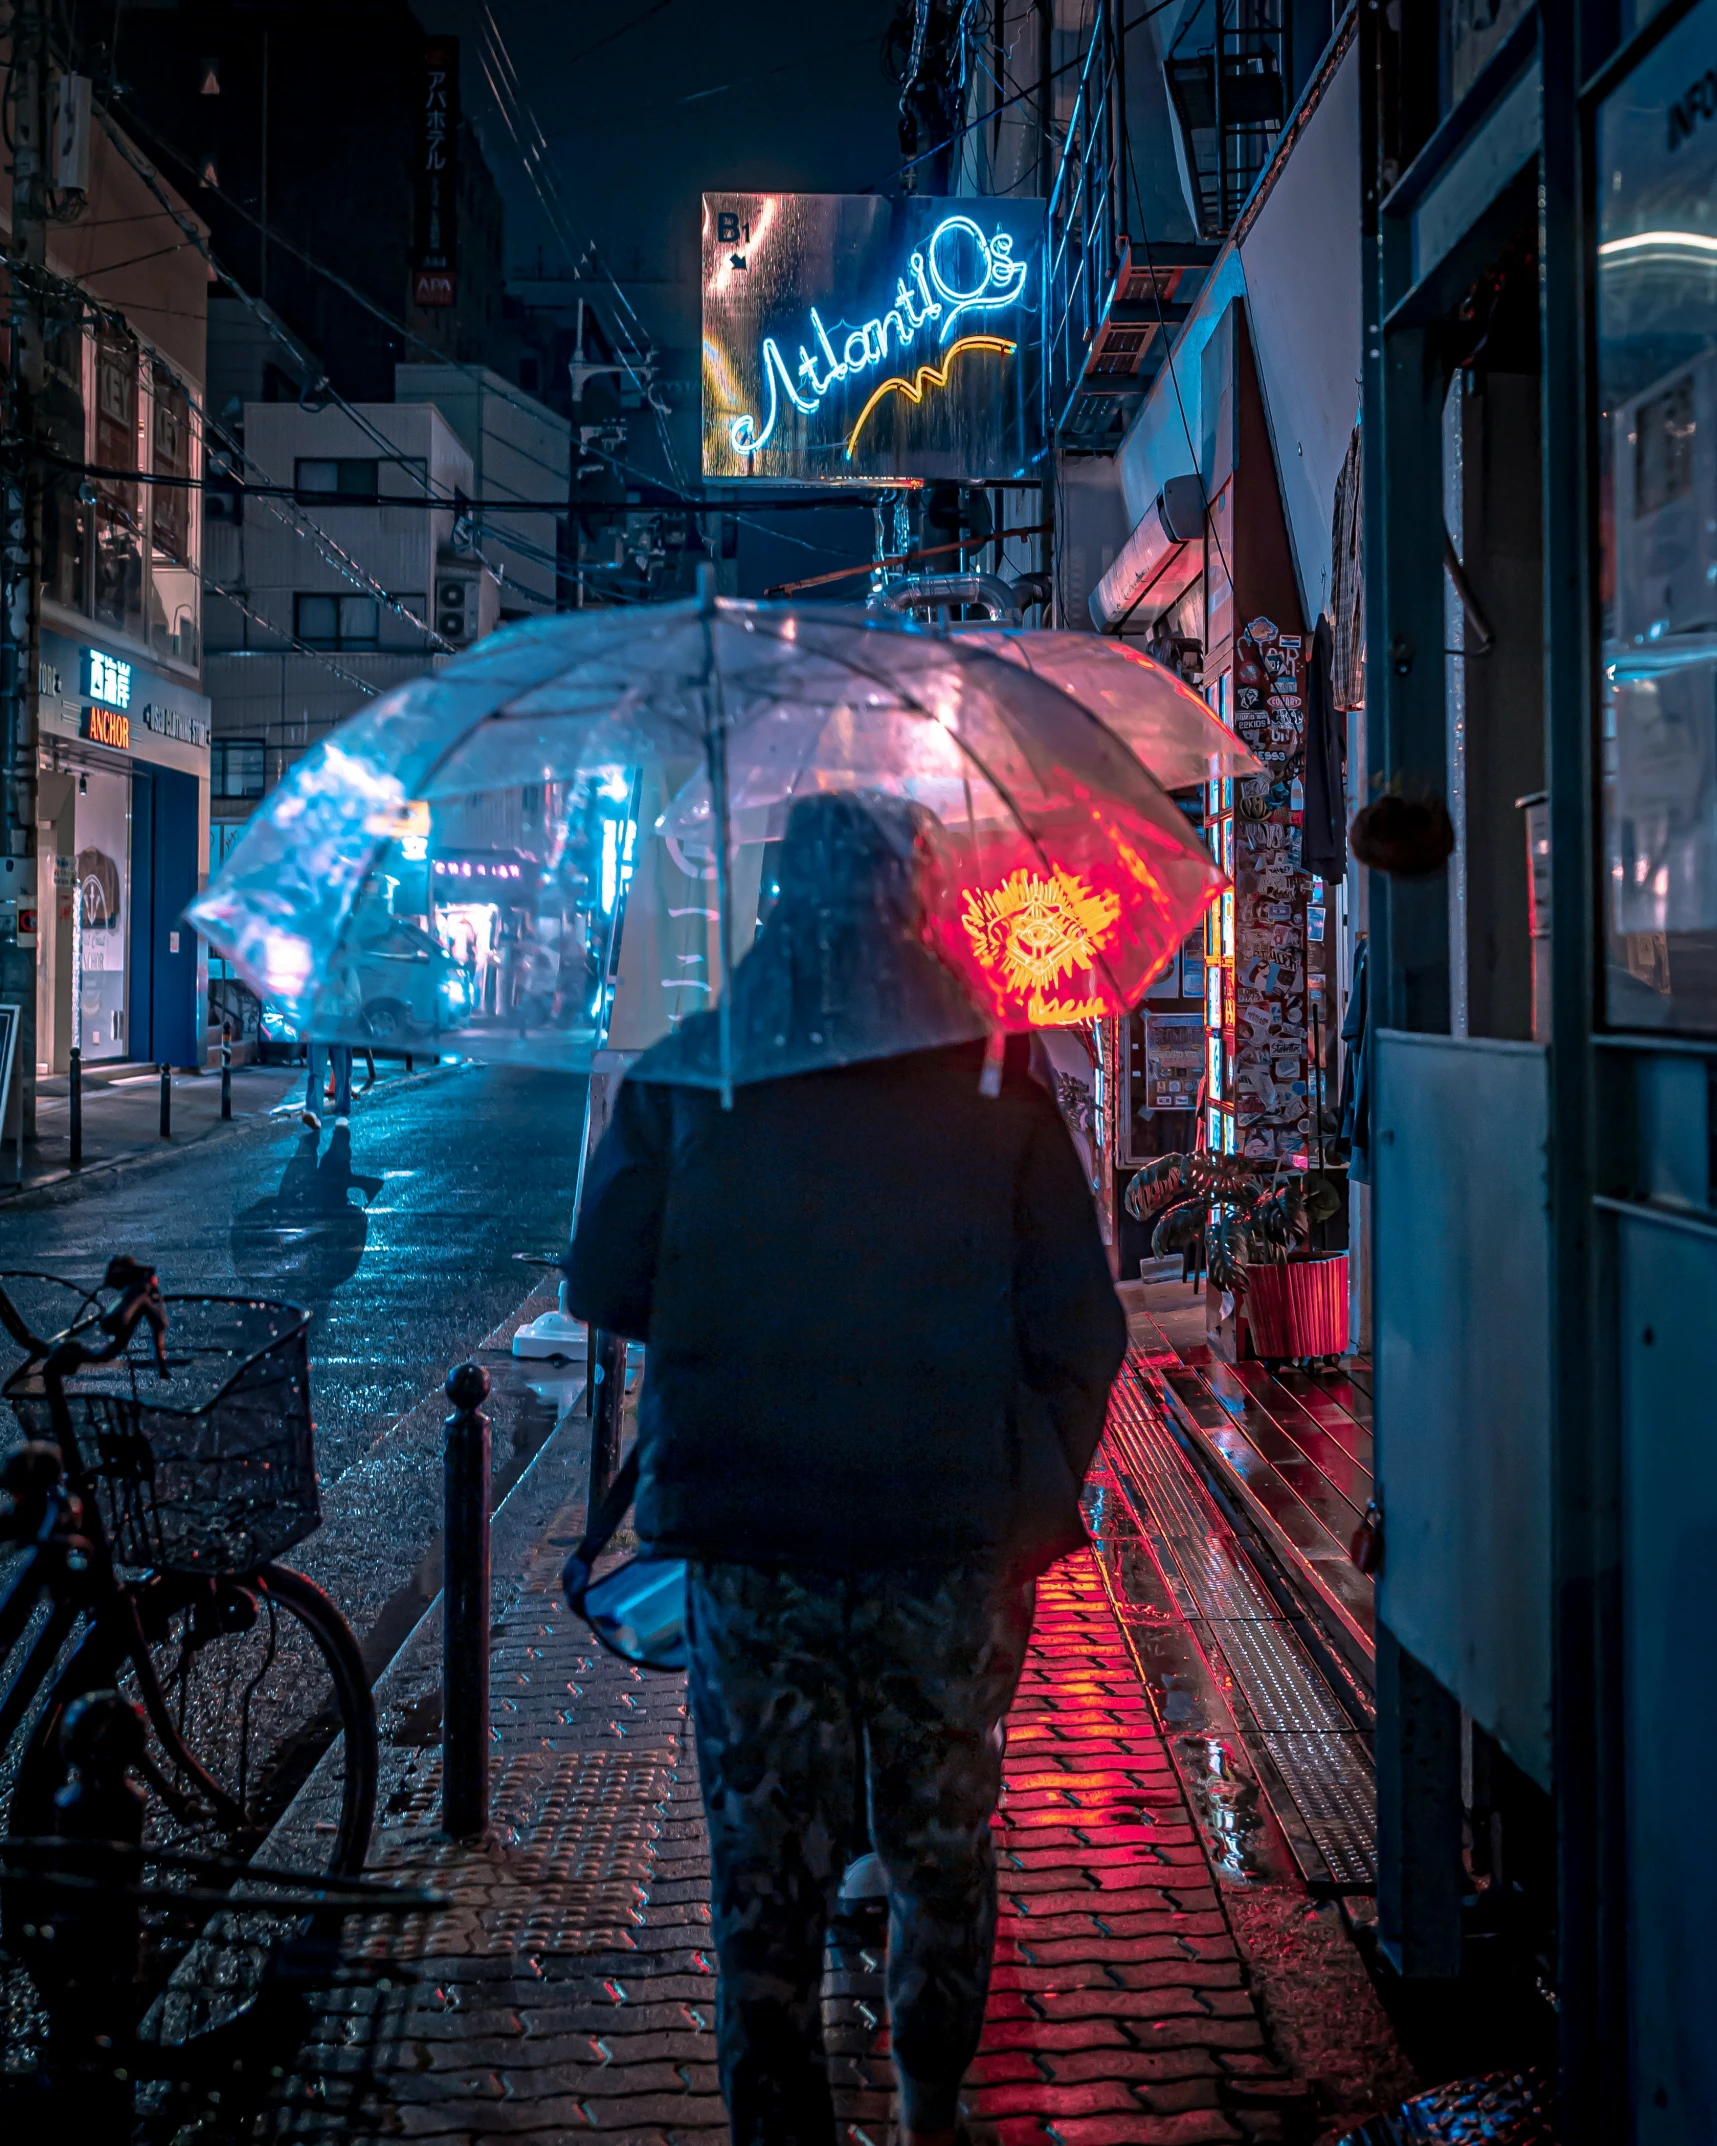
123, 815
1208, 536
1540, 226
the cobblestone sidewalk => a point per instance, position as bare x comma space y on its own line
569, 1986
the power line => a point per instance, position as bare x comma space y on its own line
1035, 90
518, 544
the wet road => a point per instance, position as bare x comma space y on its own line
398, 1239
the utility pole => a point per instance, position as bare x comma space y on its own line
20, 534
581, 370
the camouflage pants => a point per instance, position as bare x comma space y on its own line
835, 1714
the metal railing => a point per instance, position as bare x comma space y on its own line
1229, 100
1084, 236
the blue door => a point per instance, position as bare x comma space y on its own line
165, 1018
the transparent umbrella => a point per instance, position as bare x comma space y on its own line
1172, 731
619, 829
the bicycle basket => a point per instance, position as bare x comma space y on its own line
214, 1471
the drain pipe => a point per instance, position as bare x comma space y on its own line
924, 595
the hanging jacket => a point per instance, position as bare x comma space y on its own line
1323, 842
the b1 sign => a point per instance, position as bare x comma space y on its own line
849, 337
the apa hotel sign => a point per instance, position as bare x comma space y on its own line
846, 337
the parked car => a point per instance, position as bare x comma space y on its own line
411, 987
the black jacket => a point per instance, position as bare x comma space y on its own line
880, 1322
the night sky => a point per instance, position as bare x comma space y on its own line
645, 105
648, 103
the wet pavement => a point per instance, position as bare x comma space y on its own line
1151, 1987
399, 1238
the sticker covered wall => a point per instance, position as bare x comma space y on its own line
846, 337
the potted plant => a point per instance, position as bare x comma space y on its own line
1248, 1233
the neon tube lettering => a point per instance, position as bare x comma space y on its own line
927, 375
933, 294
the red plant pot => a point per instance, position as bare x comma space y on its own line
1299, 1308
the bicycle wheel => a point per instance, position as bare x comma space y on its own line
263, 1683
270, 1709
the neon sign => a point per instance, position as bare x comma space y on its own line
109, 679
958, 271
1036, 929
934, 375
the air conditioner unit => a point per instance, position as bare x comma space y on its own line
456, 609
1160, 560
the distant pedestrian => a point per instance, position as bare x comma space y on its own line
881, 1333
326, 1059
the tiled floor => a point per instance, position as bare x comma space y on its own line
1119, 2016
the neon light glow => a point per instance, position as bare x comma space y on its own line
927, 375
1697, 242
928, 301
1031, 931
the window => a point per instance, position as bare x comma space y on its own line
1657, 525
348, 480
335, 621
236, 767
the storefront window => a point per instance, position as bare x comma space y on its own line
174, 601
1657, 372
101, 913
118, 530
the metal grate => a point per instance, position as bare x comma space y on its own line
1321, 1760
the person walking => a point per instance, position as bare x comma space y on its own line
328, 1059
881, 1332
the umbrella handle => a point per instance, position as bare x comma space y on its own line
715, 760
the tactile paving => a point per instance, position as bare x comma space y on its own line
567, 1869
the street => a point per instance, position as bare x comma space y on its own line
399, 1240
992, 727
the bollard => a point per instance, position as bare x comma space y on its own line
226, 1069
76, 1113
408, 1061
85, 1952
605, 1422
465, 1608
166, 1102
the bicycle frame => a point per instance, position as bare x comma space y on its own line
71, 1560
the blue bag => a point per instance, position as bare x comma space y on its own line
637, 1611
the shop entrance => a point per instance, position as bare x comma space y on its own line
163, 949
102, 913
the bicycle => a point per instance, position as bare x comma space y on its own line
150, 1501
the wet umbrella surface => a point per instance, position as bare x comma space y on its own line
456, 862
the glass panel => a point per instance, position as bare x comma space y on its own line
1657, 369
357, 621
118, 531
101, 915
316, 620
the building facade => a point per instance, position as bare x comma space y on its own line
122, 722
364, 577
519, 449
